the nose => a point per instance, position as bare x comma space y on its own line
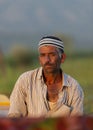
47, 58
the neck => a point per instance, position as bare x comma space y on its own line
52, 78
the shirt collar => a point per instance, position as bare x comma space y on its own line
40, 73
66, 80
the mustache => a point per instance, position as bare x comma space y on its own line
48, 64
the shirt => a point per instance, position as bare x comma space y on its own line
28, 98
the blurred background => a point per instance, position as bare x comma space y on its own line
24, 22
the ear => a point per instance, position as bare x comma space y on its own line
63, 57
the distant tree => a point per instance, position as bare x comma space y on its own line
2, 63
68, 42
21, 55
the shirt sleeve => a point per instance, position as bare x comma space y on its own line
77, 101
17, 100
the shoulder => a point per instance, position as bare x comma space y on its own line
73, 84
28, 74
25, 80
69, 80
74, 89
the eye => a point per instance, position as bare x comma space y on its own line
52, 54
42, 54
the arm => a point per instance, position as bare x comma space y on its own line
17, 99
77, 101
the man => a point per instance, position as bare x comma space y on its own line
47, 91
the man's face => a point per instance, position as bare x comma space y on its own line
49, 59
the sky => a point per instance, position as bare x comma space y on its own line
73, 17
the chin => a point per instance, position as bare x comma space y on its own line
49, 70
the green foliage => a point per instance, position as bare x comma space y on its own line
21, 56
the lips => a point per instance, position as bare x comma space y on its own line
49, 65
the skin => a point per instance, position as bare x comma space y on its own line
50, 61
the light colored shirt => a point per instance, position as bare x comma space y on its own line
29, 98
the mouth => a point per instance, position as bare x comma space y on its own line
49, 66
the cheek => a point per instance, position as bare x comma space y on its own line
41, 61
57, 60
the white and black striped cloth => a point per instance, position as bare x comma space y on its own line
51, 41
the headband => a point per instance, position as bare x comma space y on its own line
53, 42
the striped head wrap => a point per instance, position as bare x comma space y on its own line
53, 41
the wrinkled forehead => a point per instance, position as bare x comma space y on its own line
47, 49
48, 46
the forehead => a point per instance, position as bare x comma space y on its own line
47, 48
